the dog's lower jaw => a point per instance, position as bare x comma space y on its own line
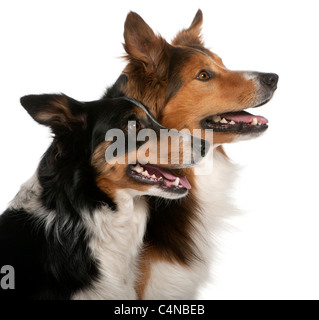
175, 281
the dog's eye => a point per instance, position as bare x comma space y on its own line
203, 76
134, 125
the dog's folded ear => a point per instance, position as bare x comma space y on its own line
141, 43
192, 35
57, 111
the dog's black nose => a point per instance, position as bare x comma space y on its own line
270, 79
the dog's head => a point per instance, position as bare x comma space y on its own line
188, 86
119, 142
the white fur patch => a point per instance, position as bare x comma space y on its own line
250, 75
116, 238
174, 281
28, 199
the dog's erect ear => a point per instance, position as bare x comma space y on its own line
192, 35
141, 43
56, 111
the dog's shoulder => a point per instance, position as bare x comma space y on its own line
21, 246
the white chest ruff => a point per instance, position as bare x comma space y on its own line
116, 238
174, 281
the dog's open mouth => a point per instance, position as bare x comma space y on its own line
239, 122
151, 174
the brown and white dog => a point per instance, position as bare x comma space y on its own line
188, 87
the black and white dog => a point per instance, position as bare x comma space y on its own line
75, 228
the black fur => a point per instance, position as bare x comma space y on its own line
45, 268
55, 262
179, 58
115, 90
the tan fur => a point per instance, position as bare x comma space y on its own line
195, 100
112, 177
149, 71
228, 91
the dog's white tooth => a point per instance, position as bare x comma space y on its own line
138, 168
176, 182
223, 121
254, 122
145, 173
216, 118
154, 176
232, 122
160, 178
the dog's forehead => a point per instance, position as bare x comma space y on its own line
204, 52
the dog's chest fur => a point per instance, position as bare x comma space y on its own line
116, 238
113, 239
174, 281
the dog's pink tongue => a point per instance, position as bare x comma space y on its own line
167, 175
243, 116
183, 180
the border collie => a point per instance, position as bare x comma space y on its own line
188, 86
75, 229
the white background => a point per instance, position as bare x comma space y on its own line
75, 47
